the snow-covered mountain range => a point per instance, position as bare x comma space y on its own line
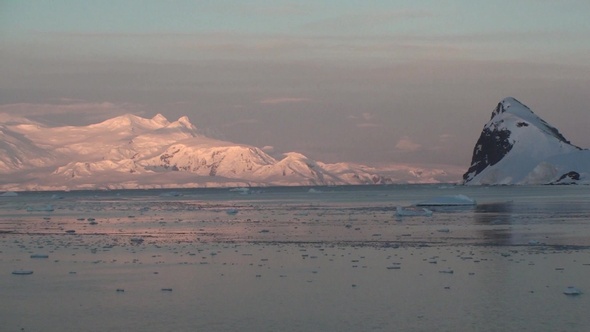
518, 147
131, 152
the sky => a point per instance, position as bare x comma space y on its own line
372, 82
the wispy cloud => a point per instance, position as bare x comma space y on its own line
366, 120
283, 100
407, 145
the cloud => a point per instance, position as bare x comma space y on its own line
283, 100
407, 145
365, 120
82, 111
268, 148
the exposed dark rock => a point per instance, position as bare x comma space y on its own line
568, 178
490, 148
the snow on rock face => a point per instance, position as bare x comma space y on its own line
518, 147
133, 152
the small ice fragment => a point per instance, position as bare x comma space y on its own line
166, 289
39, 256
571, 290
136, 240
449, 271
264, 231
120, 290
232, 212
314, 191
70, 231
22, 272
444, 230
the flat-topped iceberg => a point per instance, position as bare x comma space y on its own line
451, 200
412, 212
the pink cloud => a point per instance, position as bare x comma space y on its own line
407, 145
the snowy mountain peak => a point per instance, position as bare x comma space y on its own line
513, 144
160, 119
512, 105
185, 122
131, 121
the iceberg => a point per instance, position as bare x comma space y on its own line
412, 212
571, 290
8, 194
452, 200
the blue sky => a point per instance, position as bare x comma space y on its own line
363, 81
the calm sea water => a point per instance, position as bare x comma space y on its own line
296, 259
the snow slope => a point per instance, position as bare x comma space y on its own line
129, 152
518, 147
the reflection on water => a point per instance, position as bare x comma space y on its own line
494, 213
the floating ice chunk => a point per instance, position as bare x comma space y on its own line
166, 289
314, 191
171, 194
241, 190
449, 271
8, 194
39, 256
56, 196
22, 272
136, 240
412, 212
232, 212
571, 290
452, 200
44, 208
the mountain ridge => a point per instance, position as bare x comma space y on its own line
131, 152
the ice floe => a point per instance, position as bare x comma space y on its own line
571, 290
22, 272
8, 194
